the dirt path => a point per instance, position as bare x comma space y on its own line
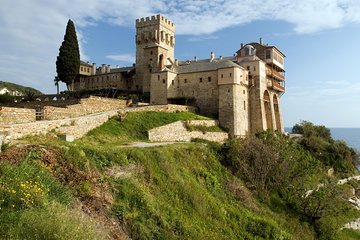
147, 144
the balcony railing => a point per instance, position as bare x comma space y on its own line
273, 73
277, 86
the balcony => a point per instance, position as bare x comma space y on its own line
274, 73
276, 86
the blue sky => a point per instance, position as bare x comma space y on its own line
319, 38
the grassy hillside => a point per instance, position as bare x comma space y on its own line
92, 189
20, 88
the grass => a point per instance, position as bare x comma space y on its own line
179, 191
134, 127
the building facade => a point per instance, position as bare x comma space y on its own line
243, 91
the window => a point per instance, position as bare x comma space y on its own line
158, 77
267, 54
243, 91
81, 68
248, 68
222, 75
107, 77
244, 105
200, 79
185, 80
150, 59
163, 80
254, 68
230, 74
172, 82
88, 69
209, 79
151, 52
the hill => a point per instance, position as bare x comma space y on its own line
98, 188
20, 88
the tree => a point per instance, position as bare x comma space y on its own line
56, 82
68, 61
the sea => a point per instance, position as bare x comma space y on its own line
350, 135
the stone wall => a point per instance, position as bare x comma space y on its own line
158, 108
177, 132
72, 126
86, 106
11, 115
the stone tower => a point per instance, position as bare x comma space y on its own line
155, 41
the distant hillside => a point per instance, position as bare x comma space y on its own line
20, 88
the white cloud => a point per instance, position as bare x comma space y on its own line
32, 31
127, 58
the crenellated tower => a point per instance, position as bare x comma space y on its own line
155, 41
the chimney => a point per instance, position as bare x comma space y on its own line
93, 70
117, 66
212, 56
176, 62
220, 57
108, 69
260, 41
195, 59
103, 68
241, 45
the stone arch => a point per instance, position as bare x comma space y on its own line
267, 109
277, 112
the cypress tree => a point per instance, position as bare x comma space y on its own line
68, 61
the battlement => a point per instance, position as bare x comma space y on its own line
158, 19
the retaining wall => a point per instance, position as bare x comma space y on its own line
72, 126
177, 132
16, 115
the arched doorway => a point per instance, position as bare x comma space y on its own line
267, 108
277, 112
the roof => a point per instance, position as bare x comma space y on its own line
123, 69
204, 65
85, 63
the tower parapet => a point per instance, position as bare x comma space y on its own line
155, 20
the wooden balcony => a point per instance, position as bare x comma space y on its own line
276, 86
274, 73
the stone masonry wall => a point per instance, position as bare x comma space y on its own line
11, 115
159, 108
86, 106
72, 126
177, 132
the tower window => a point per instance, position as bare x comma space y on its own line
222, 75
248, 68
151, 53
185, 80
158, 77
163, 80
172, 82
201, 79
209, 79
230, 74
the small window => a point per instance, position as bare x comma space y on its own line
151, 52
244, 91
244, 105
163, 80
88, 70
248, 68
172, 82
200, 79
222, 75
267, 54
185, 80
254, 68
150, 69
81, 68
158, 77
209, 79
107, 77
230, 74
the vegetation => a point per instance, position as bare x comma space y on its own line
68, 61
134, 127
19, 88
332, 153
255, 188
